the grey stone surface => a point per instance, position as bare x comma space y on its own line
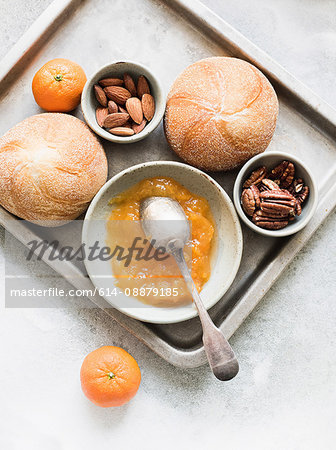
16, 18
298, 34
284, 396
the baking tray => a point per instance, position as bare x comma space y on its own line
168, 36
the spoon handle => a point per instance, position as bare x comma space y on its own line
220, 355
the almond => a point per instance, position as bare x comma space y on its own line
142, 87
115, 120
121, 109
134, 109
148, 106
121, 131
101, 114
118, 94
100, 95
129, 84
112, 107
137, 128
111, 82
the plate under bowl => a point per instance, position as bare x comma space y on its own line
225, 259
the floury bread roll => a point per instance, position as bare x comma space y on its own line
51, 166
220, 112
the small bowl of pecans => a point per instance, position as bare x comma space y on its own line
123, 102
275, 194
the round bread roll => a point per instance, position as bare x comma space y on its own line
51, 165
220, 112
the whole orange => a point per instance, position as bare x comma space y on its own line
58, 85
110, 376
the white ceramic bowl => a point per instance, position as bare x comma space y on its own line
270, 160
89, 102
225, 259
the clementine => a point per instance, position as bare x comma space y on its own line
110, 376
58, 85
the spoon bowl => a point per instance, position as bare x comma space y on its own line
162, 218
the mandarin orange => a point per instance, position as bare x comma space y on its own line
58, 85
110, 376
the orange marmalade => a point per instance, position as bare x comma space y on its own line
155, 282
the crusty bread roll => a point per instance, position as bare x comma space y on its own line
220, 112
51, 165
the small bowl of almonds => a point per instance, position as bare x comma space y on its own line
123, 102
275, 194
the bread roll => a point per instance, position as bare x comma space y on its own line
220, 112
51, 165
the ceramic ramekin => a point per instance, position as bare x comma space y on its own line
270, 160
227, 249
117, 69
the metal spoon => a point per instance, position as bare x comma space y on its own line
164, 221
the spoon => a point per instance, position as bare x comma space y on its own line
164, 221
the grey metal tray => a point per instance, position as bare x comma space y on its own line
168, 36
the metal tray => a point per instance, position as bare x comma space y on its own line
168, 36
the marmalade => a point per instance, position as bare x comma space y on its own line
160, 283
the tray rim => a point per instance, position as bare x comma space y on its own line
201, 17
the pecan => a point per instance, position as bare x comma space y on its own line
255, 177
300, 193
279, 195
270, 184
277, 204
296, 186
278, 208
271, 215
298, 208
302, 196
283, 174
282, 199
272, 225
269, 221
250, 199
